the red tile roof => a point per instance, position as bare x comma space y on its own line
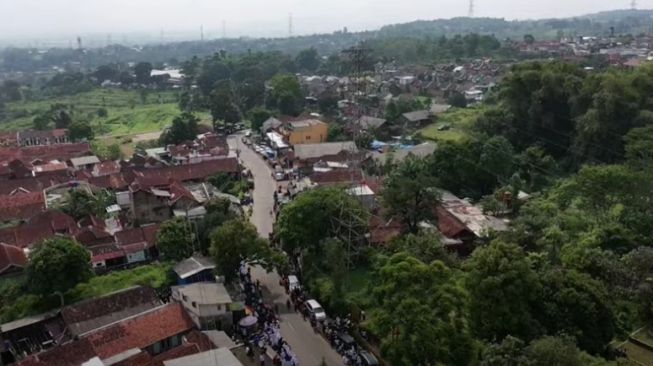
31, 153
105, 252
137, 239
31, 184
42, 226
112, 181
21, 206
141, 331
382, 230
449, 225
165, 175
337, 176
72, 353
11, 257
106, 168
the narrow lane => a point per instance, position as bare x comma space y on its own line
309, 346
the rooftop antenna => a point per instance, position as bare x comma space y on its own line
224, 29
470, 11
633, 5
289, 24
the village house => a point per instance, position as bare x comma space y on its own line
416, 118
461, 223
37, 137
308, 154
84, 162
195, 269
309, 131
207, 303
12, 259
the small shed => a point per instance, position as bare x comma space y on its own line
195, 269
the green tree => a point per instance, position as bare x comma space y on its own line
218, 211
222, 104
80, 130
237, 241
557, 351
259, 115
510, 352
425, 247
142, 71
175, 240
184, 128
504, 291
61, 118
420, 314
316, 215
58, 265
577, 305
497, 156
80, 203
410, 193
41, 122
285, 94
308, 60
457, 99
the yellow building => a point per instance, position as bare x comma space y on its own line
309, 131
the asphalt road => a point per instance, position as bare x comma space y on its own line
309, 346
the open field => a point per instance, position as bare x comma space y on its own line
129, 111
459, 121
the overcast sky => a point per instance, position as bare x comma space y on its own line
30, 18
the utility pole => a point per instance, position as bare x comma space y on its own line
470, 11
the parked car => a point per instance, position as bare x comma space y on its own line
293, 283
315, 310
368, 359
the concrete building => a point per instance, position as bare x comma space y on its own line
207, 303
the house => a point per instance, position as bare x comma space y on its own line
139, 244
195, 269
33, 333
308, 154
271, 124
93, 314
419, 151
21, 205
42, 226
84, 162
215, 357
207, 303
147, 338
12, 259
62, 152
366, 123
105, 168
437, 109
337, 177
161, 176
37, 137
364, 194
417, 117
460, 221
308, 131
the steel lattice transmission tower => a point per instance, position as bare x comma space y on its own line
470, 11
633, 5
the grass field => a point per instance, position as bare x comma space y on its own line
459, 121
129, 113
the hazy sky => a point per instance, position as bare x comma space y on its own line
30, 18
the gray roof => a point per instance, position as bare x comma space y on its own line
270, 124
220, 339
373, 122
439, 108
84, 160
313, 151
420, 151
205, 293
214, 357
417, 116
304, 123
193, 265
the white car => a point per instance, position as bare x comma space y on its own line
315, 310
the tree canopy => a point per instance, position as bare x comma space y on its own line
45, 274
175, 240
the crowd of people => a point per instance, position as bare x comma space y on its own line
265, 332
